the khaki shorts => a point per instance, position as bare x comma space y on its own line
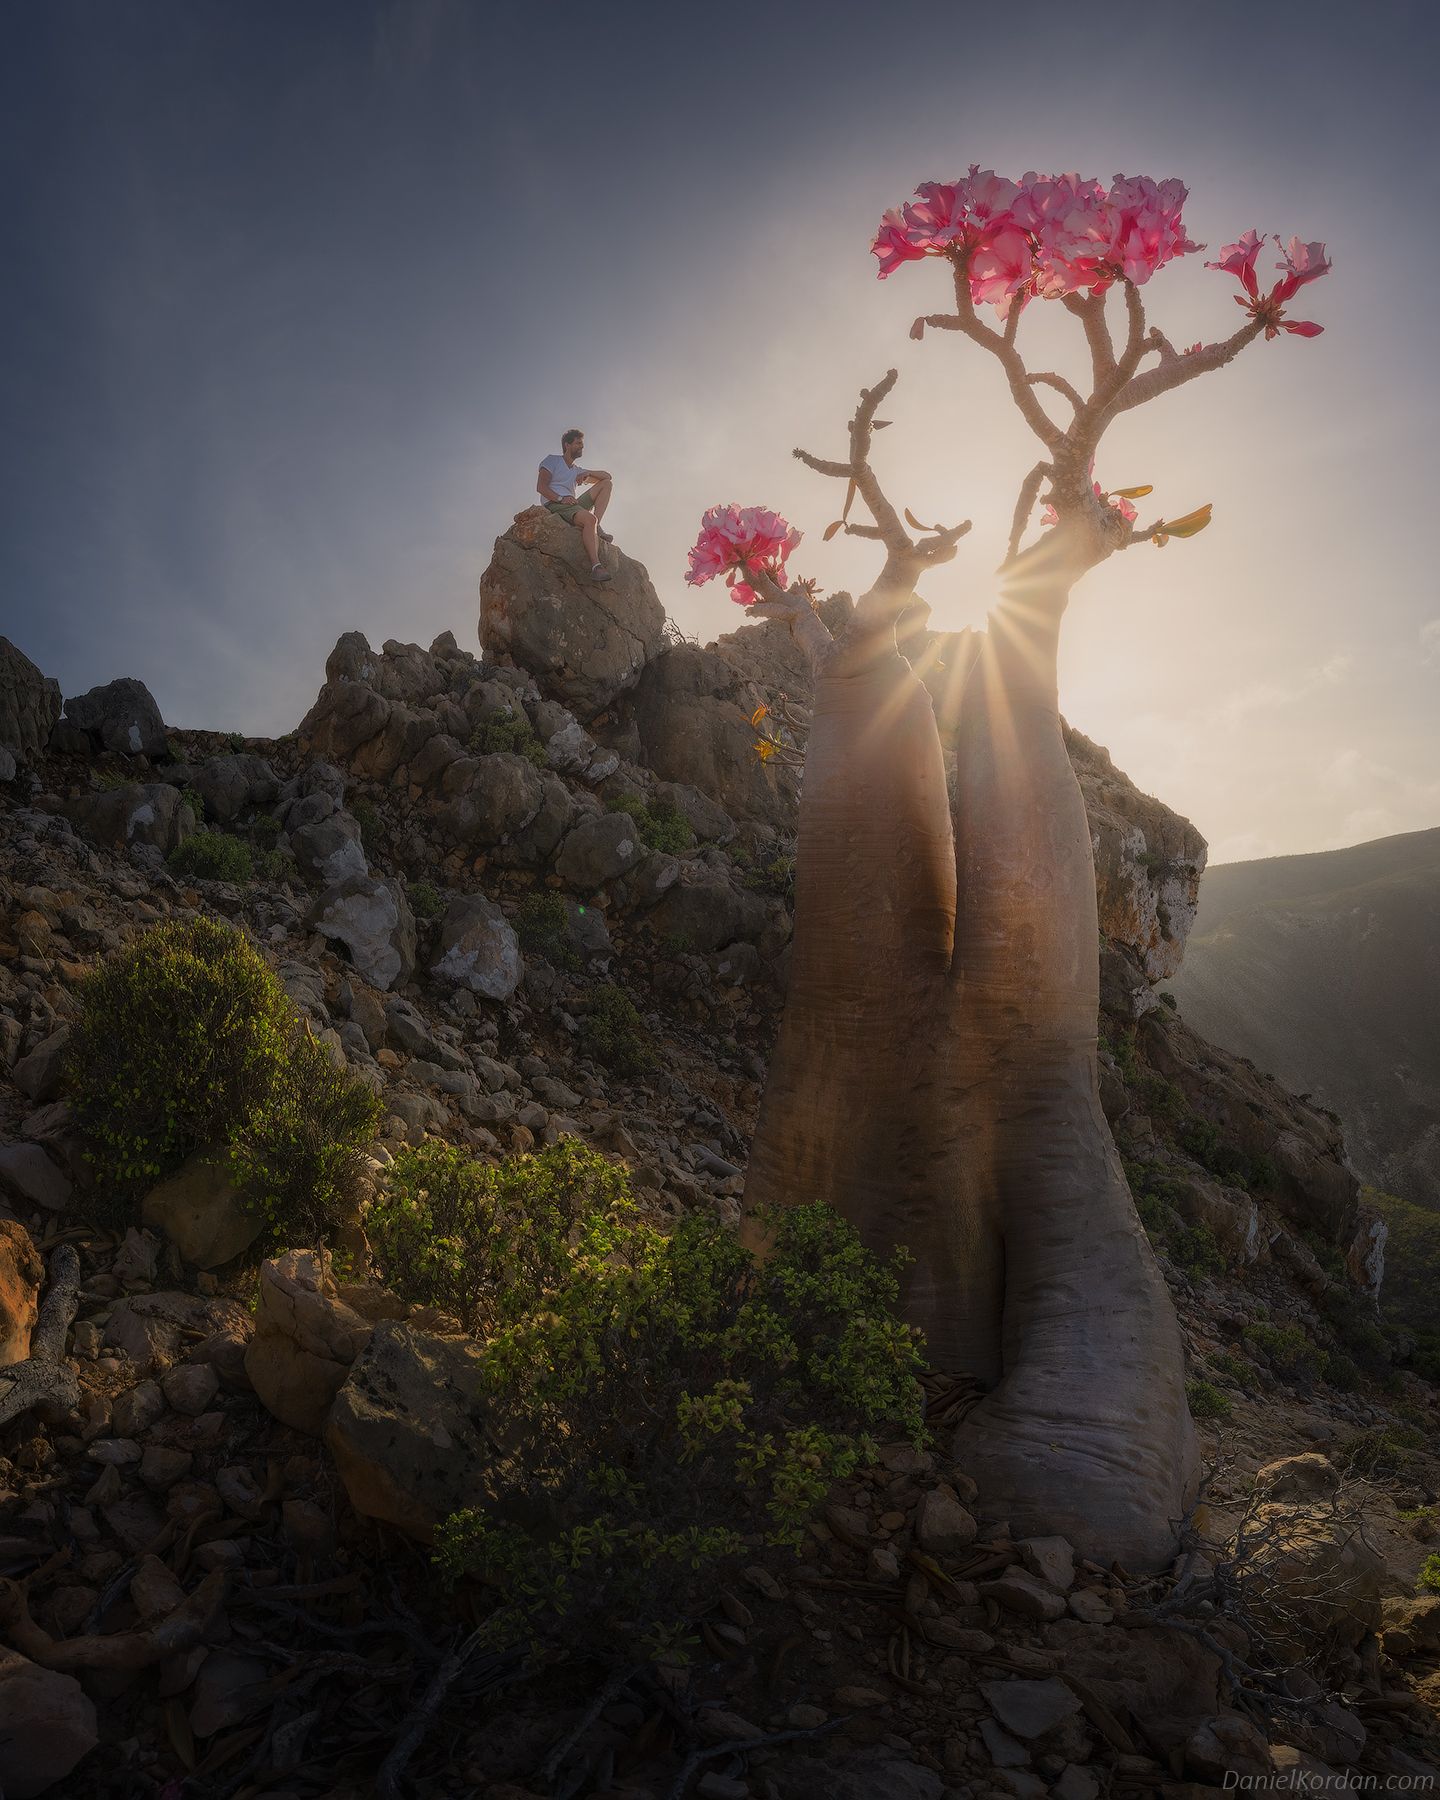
567, 509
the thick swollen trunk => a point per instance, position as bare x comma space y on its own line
850, 1082
1086, 1430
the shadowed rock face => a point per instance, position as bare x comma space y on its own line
29, 703
585, 644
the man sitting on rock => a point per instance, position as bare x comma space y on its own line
559, 477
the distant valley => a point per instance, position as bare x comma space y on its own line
1325, 971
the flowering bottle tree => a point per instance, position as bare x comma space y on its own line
935, 1078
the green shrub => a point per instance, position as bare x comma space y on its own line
775, 875
1157, 1094
1234, 1368
1201, 1139
613, 1032
1287, 1347
486, 1243
1207, 1402
1197, 1251
671, 1401
371, 827
186, 1041
1428, 1580
662, 826
1340, 1371
1384, 1452
542, 924
426, 900
191, 797
212, 856
234, 741
513, 734
265, 829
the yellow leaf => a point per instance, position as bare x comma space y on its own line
758, 714
849, 499
765, 750
1135, 493
830, 530
1191, 523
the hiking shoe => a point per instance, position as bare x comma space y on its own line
600, 573
606, 538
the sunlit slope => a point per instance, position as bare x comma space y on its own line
1325, 970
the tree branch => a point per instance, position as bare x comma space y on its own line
1150, 383
1090, 310
1061, 386
1024, 506
792, 605
1003, 348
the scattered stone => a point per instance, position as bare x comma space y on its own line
1050, 1559
942, 1525
479, 949
372, 918
200, 1210
1018, 1591
1085, 1603
161, 1467
306, 1339
190, 1387
135, 1412
1005, 1751
1029, 1709
46, 1725
27, 1171
1227, 1744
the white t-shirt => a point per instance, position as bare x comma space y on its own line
563, 476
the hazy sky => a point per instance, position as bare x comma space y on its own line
297, 295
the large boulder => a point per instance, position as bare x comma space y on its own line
372, 918
119, 715
346, 714
234, 785
306, 1339
692, 710
584, 644
479, 949
199, 1209
399, 671
29, 703
151, 813
329, 850
46, 1725
1316, 1581
489, 800
706, 915
407, 1429
21, 1273
599, 849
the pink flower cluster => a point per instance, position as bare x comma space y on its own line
1042, 237
1300, 263
741, 540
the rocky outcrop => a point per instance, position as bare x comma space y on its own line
585, 644
121, 716
121, 818
372, 918
29, 704
479, 949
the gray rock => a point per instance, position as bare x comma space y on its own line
598, 850
346, 715
41, 1074
489, 799
1005, 1751
329, 850
307, 809
869, 1774
46, 1726
372, 918
479, 949
29, 704
706, 914
1052, 1559
408, 1429
942, 1525
585, 645
1028, 1709
233, 786
706, 817
150, 814
1020, 1592
7, 764
122, 715
26, 1170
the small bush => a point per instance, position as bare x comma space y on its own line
1428, 1580
775, 876
671, 1401
1384, 1452
191, 797
265, 829
542, 924
186, 1041
514, 734
1340, 1371
1207, 1402
234, 741
426, 901
371, 828
485, 1243
613, 1032
1289, 1350
662, 826
212, 856
1234, 1368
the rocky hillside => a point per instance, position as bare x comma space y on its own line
540, 897
1323, 970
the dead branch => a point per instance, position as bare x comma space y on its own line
387, 1784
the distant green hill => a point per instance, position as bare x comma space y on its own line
1325, 971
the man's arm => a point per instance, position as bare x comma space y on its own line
543, 487
594, 475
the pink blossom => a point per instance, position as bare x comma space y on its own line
1000, 268
1126, 511
741, 540
1238, 259
894, 245
1305, 262
1301, 263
